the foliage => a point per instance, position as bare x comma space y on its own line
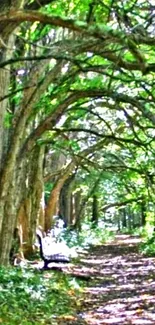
81, 83
48, 188
89, 235
148, 245
148, 248
31, 297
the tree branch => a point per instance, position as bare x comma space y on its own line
53, 118
119, 204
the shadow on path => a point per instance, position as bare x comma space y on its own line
121, 289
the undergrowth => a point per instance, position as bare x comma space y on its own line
147, 247
29, 296
35, 297
88, 235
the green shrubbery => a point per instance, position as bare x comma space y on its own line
30, 296
148, 245
89, 235
34, 297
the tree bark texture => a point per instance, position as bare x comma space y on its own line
29, 213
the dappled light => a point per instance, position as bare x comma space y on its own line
111, 283
77, 151
121, 284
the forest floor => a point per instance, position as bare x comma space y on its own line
119, 285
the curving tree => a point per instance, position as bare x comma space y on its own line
75, 77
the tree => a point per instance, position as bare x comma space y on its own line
87, 71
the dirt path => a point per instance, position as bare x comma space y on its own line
121, 288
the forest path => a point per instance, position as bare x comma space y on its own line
121, 288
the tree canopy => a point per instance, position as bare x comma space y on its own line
77, 80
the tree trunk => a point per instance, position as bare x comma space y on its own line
13, 175
65, 201
77, 198
53, 202
124, 221
95, 210
129, 218
29, 213
10, 205
84, 202
143, 212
